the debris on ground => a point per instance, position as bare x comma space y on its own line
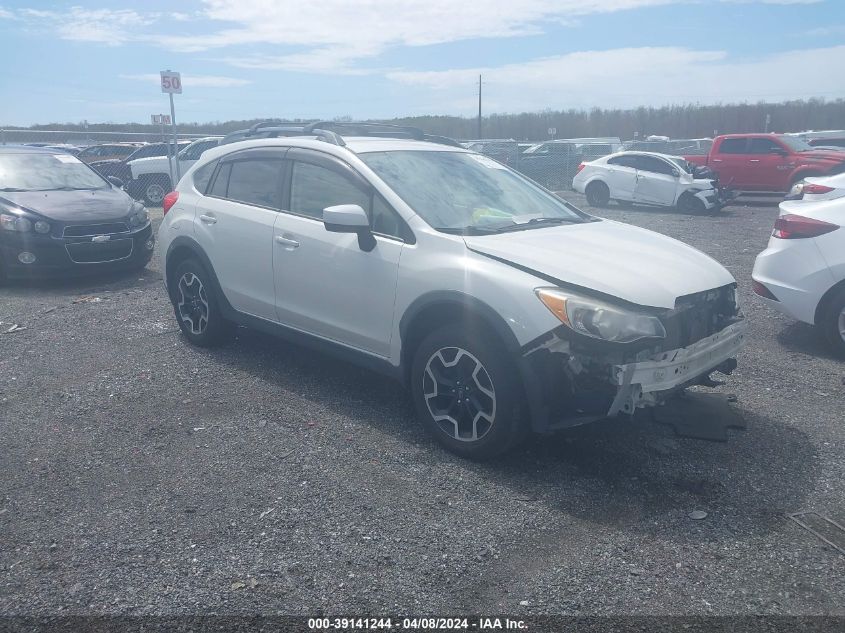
15, 328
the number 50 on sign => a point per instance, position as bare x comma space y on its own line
171, 82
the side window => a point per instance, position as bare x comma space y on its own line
761, 145
314, 188
221, 182
732, 146
202, 176
256, 181
623, 161
654, 165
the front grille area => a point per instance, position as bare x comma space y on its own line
700, 315
87, 230
94, 253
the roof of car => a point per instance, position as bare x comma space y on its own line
356, 144
635, 152
28, 149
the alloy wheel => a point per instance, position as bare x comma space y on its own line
459, 394
842, 324
155, 193
193, 303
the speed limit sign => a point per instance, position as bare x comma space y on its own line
171, 82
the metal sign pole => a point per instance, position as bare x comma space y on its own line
170, 150
173, 129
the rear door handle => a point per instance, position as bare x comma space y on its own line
208, 219
754, 160
287, 243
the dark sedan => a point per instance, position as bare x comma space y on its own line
59, 217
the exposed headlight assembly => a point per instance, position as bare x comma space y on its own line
139, 217
597, 319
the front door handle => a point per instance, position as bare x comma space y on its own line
287, 243
208, 219
754, 160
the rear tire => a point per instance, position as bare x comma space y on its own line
466, 392
832, 321
598, 194
197, 307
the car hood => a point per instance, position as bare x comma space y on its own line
620, 260
72, 206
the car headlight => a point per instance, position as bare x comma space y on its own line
15, 223
42, 227
139, 217
595, 318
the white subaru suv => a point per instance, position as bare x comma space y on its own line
502, 308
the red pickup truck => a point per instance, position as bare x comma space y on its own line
767, 162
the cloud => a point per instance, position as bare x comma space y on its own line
193, 81
630, 77
105, 26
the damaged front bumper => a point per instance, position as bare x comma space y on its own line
647, 383
569, 385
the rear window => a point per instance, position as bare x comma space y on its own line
202, 176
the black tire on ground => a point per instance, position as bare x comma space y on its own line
467, 377
598, 194
688, 203
155, 189
832, 321
196, 306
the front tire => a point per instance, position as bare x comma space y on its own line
598, 194
466, 393
832, 321
197, 307
688, 203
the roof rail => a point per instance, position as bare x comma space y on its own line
383, 130
326, 131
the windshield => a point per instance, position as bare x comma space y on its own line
795, 144
46, 172
463, 192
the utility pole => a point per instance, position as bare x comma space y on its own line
479, 107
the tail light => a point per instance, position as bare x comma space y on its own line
579, 168
169, 200
761, 290
793, 227
815, 189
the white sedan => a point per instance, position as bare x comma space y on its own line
817, 188
645, 178
802, 272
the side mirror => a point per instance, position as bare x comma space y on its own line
350, 218
117, 182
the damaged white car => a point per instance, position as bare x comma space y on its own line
502, 308
648, 178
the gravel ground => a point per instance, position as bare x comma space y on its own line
139, 475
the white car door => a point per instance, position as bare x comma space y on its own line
326, 284
621, 177
657, 182
234, 225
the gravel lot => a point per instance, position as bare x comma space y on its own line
139, 475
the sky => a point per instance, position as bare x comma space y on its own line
99, 60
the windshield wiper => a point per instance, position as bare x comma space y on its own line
72, 189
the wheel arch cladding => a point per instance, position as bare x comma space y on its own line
827, 297
439, 308
183, 248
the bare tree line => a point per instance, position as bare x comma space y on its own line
676, 121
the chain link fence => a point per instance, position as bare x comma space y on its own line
84, 138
